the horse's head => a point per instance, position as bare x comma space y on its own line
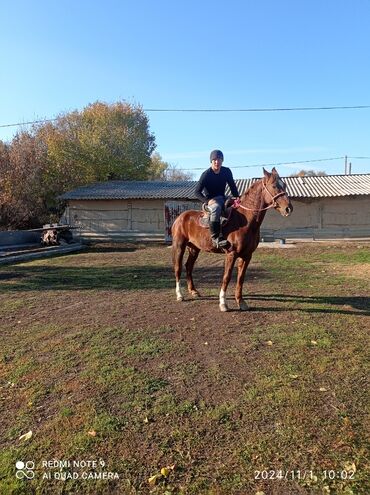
274, 190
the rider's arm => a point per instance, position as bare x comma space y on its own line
232, 185
199, 188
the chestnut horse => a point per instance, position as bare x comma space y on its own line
242, 231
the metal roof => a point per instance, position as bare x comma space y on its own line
297, 187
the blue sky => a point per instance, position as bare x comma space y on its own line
59, 56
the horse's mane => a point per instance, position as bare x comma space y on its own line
251, 193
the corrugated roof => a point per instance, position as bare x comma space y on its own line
297, 187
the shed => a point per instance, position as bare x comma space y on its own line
324, 207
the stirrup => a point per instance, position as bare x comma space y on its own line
221, 243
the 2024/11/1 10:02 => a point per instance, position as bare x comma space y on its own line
331, 474
298, 474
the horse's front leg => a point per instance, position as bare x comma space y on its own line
242, 267
178, 249
193, 255
229, 265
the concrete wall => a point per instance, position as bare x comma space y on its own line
116, 217
348, 216
18, 237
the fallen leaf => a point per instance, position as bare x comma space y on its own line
153, 479
146, 419
269, 342
165, 472
92, 433
293, 376
260, 493
350, 466
205, 343
313, 342
26, 436
323, 389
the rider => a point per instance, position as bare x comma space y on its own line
213, 183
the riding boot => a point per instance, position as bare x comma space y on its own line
217, 238
214, 228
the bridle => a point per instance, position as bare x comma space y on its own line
237, 203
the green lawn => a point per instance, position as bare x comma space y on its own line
102, 364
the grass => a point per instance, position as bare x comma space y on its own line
100, 362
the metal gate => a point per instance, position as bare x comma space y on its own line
172, 209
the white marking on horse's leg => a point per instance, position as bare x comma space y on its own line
179, 295
223, 305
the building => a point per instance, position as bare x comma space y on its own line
324, 207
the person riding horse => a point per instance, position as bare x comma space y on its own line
211, 191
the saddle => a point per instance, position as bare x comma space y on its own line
225, 214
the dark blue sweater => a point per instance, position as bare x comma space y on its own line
211, 185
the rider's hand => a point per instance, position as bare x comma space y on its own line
211, 202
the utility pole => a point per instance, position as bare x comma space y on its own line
345, 165
349, 168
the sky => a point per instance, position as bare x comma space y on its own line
58, 56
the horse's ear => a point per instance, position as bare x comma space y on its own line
266, 174
274, 172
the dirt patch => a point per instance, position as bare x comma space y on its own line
356, 271
96, 342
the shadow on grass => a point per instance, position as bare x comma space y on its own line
361, 303
113, 249
104, 278
358, 303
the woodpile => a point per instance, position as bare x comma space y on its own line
53, 235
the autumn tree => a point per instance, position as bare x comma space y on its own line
308, 173
158, 167
22, 167
162, 170
101, 142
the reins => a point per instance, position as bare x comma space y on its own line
237, 202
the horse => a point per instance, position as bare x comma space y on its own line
242, 231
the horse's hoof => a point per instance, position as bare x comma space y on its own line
194, 293
243, 306
224, 308
180, 298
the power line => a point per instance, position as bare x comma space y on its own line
210, 110
281, 163
293, 109
26, 123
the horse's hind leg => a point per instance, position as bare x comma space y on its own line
193, 255
178, 249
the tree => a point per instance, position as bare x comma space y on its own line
173, 173
308, 173
22, 166
162, 170
158, 167
99, 143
